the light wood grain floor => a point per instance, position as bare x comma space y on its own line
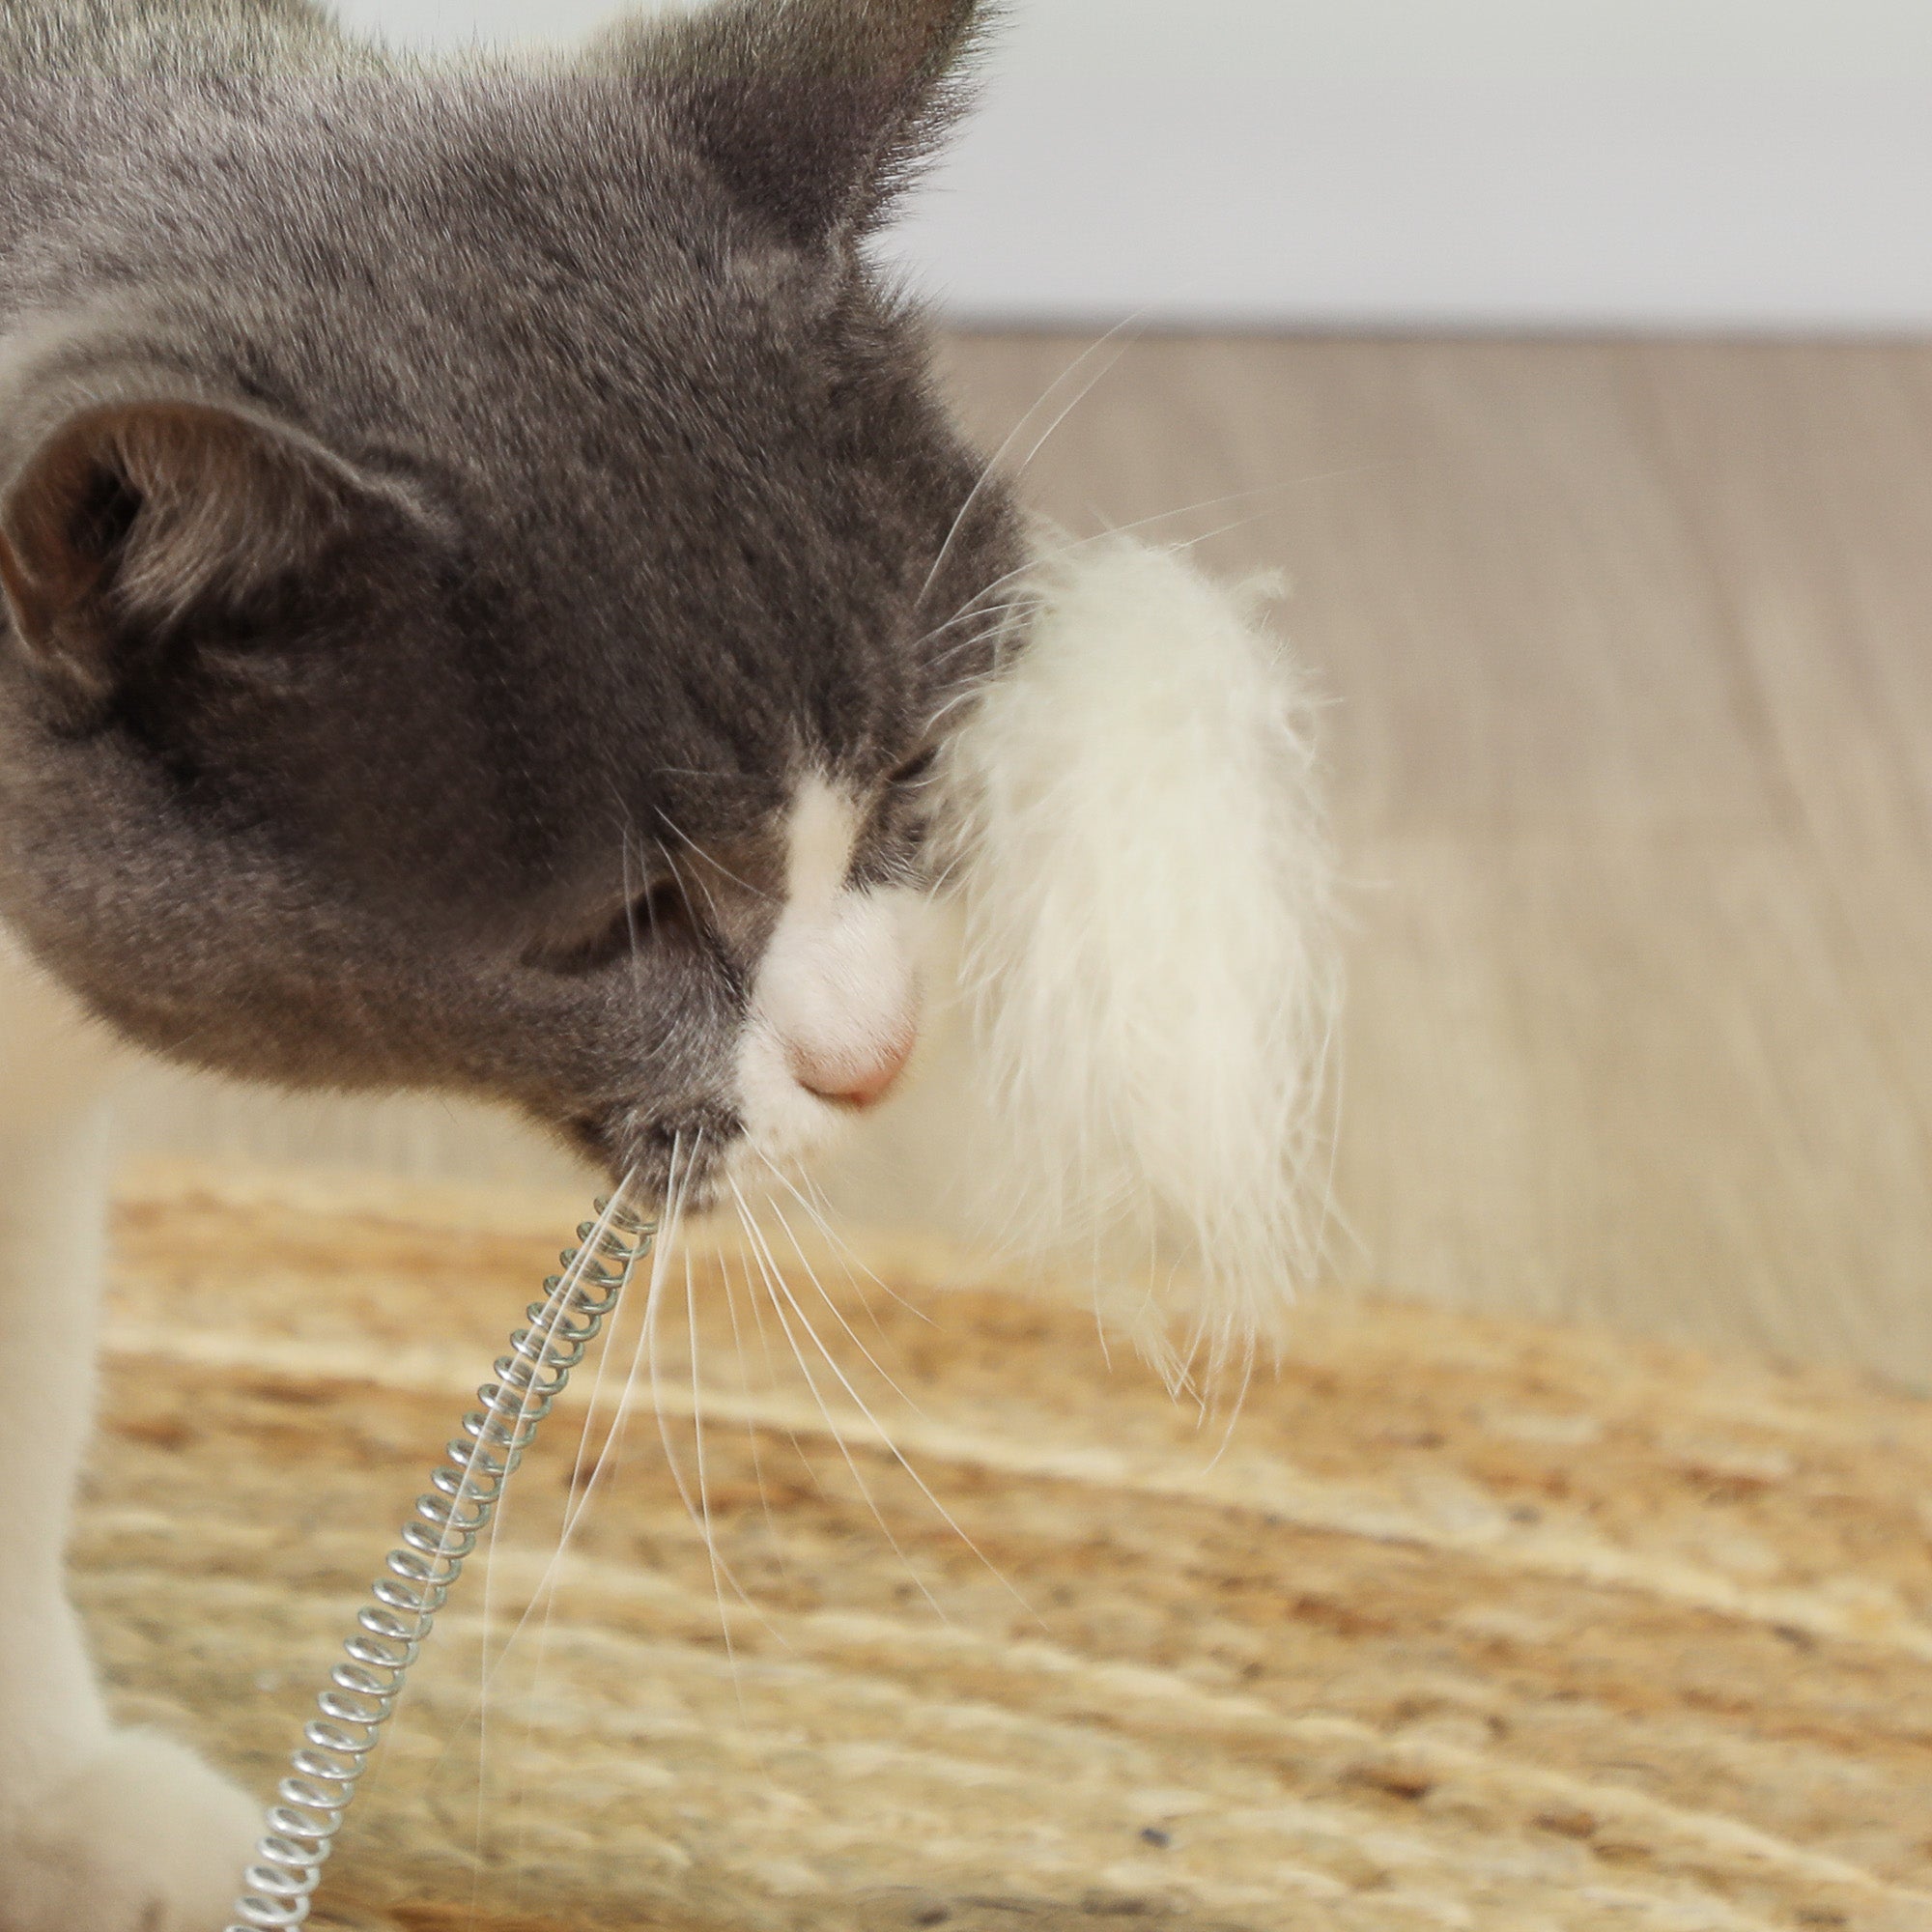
1632, 648
1631, 653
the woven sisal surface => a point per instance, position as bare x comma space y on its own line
1468, 1624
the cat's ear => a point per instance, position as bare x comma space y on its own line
816, 113
129, 520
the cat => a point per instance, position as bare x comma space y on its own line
493, 602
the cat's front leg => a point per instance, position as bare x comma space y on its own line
102, 1830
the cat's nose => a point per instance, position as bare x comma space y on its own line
853, 1079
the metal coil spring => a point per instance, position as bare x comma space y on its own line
277, 1889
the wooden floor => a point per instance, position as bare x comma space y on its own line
1631, 653
1632, 649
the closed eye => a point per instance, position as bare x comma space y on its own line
653, 916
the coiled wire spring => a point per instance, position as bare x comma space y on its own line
277, 1889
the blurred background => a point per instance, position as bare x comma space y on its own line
1466, 163
1571, 358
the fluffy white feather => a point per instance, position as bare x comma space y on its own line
1131, 1003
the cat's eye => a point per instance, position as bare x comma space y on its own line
658, 914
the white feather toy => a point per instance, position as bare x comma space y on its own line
1132, 995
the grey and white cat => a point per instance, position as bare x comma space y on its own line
491, 602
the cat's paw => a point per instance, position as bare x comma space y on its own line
143, 1837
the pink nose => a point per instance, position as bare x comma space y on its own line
852, 1080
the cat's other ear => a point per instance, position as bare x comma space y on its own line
816, 113
131, 520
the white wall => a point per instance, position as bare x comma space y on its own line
1416, 163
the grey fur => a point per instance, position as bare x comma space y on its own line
576, 485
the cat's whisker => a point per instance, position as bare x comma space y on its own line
837, 1315
693, 1508
553, 1307
850, 1257
1038, 560
678, 872
994, 624
1122, 327
966, 695
771, 1369
576, 1498
577, 1493
975, 606
851, 1267
609, 1453
685, 839
581, 1494
1108, 529
1013, 435
676, 1468
1219, 531
750, 1421
705, 1493
775, 1285
968, 613
892, 1447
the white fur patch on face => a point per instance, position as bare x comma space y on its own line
819, 843
834, 1005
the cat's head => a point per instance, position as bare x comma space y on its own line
486, 576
